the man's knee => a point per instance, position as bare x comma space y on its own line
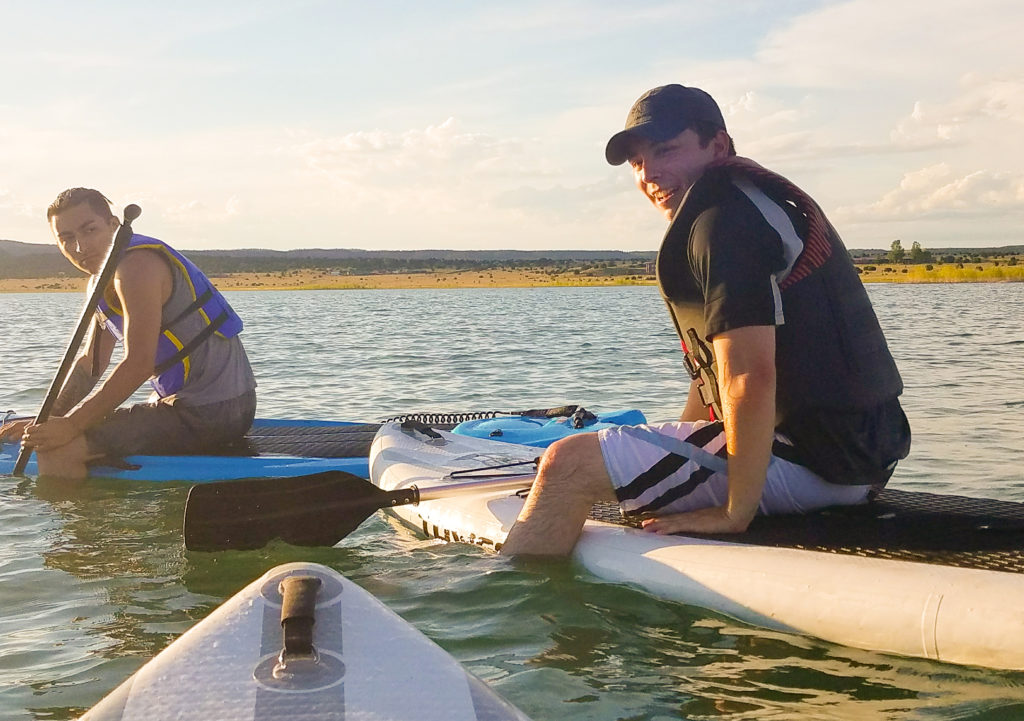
575, 463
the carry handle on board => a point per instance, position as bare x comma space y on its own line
314, 510
298, 615
121, 240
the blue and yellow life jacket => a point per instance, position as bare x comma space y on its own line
172, 364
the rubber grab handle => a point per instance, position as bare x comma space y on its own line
298, 614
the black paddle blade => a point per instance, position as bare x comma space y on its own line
314, 510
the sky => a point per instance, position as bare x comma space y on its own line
482, 125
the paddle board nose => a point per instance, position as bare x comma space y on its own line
303, 642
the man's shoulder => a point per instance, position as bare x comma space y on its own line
724, 213
715, 187
143, 264
717, 194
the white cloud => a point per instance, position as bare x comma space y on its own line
439, 169
845, 43
937, 192
12, 203
242, 135
983, 104
194, 212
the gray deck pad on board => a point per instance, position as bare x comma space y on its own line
915, 526
310, 441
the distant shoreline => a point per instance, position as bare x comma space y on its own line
526, 278
318, 280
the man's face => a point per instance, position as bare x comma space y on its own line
665, 170
84, 236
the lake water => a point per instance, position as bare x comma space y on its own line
94, 580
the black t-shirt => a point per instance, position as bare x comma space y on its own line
735, 256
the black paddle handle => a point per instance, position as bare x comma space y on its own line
121, 240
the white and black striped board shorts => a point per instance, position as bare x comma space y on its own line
679, 466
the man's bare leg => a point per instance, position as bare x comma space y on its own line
571, 478
67, 461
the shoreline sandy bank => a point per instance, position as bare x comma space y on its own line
527, 278
317, 280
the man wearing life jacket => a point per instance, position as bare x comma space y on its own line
178, 332
794, 404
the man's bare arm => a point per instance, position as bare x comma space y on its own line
86, 371
142, 283
746, 373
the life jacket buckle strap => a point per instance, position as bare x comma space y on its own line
192, 308
697, 356
700, 364
187, 349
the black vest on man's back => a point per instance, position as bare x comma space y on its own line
835, 377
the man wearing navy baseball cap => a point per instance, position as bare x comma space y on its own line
663, 113
794, 399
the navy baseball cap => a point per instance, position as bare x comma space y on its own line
663, 113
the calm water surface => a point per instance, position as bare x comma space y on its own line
94, 580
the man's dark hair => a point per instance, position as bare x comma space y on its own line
76, 196
706, 132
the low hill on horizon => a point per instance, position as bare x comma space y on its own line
43, 260
17, 248
39, 260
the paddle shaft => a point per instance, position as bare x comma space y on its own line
432, 493
121, 240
